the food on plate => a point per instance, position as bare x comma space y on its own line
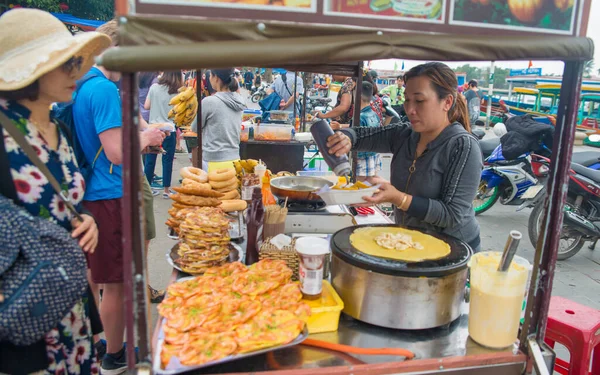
198, 191
284, 174
189, 134
232, 309
358, 185
204, 234
224, 174
222, 184
397, 241
233, 194
186, 182
195, 174
195, 200
233, 205
181, 205
413, 246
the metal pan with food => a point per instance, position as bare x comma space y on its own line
398, 277
299, 189
229, 313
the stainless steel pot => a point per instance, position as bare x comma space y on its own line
396, 294
396, 301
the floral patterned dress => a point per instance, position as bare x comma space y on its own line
70, 345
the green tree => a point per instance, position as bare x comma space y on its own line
88, 9
47, 5
588, 68
103, 10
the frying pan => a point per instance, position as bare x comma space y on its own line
299, 189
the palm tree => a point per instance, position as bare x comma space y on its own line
588, 68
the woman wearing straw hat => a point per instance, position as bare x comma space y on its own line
40, 62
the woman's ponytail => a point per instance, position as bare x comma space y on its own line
233, 85
460, 113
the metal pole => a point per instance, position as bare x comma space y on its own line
490, 92
510, 88
303, 119
199, 74
544, 263
356, 114
134, 270
295, 96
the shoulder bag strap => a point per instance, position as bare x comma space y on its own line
30, 152
7, 185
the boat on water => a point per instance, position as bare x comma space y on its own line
542, 103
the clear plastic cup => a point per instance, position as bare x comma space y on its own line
496, 299
312, 252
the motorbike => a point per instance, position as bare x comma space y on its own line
259, 93
581, 220
318, 103
512, 182
514, 172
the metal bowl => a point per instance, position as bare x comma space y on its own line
298, 189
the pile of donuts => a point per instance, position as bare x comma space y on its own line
200, 189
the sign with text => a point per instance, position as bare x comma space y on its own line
526, 72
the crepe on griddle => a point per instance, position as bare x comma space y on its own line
365, 241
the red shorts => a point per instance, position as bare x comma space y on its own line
106, 263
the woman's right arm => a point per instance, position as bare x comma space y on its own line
345, 104
380, 139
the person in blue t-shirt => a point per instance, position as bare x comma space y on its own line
369, 163
97, 118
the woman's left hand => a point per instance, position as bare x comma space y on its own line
386, 193
87, 232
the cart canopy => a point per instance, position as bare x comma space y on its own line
151, 43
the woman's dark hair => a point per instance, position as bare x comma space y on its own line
443, 81
211, 90
227, 76
31, 92
145, 79
473, 83
368, 78
173, 80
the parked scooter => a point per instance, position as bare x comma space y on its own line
259, 93
581, 221
513, 181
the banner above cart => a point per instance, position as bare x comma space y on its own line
491, 17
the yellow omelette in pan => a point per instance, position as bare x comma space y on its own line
399, 244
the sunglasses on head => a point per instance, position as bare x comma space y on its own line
73, 64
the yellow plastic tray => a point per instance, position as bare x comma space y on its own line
325, 312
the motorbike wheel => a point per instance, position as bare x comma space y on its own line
485, 198
256, 98
570, 241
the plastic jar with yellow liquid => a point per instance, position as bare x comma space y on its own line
496, 299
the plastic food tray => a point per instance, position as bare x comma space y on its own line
334, 197
325, 312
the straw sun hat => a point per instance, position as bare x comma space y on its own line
34, 42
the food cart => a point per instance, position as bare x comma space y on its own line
172, 40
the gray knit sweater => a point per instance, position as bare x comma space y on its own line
444, 182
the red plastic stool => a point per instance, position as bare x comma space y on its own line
577, 327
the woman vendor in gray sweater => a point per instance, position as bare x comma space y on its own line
437, 164
221, 119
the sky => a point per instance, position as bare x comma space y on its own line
548, 67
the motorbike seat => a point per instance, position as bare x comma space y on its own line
592, 174
478, 133
488, 146
586, 158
